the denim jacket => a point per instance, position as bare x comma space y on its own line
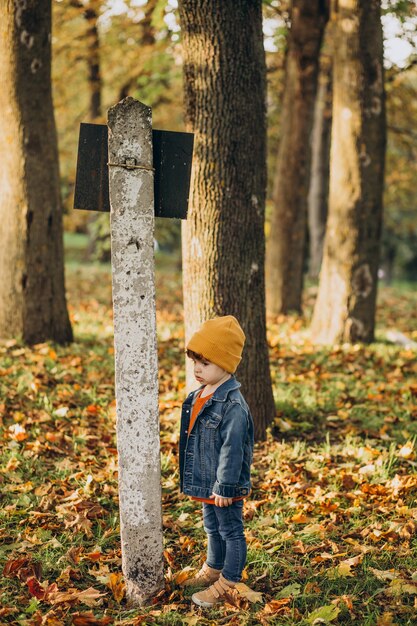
216, 456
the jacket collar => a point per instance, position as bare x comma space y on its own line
221, 393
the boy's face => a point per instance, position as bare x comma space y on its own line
207, 373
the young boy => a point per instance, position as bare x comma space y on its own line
216, 447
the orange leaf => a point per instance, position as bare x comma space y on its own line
117, 586
184, 574
276, 606
88, 618
299, 518
17, 432
94, 556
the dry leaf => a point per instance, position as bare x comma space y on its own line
89, 619
184, 574
386, 619
87, 596
276, 606
117, 586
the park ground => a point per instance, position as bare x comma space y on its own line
332, 522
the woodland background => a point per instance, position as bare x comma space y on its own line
332, 524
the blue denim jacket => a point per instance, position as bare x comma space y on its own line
216, 456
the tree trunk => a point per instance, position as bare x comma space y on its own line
223, 238
320, 163
91, 14
285, 249
32, 294
345, 307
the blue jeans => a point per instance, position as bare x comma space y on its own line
226, 540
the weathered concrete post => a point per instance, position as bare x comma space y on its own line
132, 252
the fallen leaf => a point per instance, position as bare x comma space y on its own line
293, 590
276, 606
89, 619
35, 588
384, 574
398, 587
323, 615
343, 570
184, 574
87, 596
117, 586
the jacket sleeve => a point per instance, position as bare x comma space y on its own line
233, 433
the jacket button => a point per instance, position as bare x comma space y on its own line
186, 432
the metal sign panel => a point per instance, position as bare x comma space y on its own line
92, 177
172, 159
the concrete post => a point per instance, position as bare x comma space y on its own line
136, 361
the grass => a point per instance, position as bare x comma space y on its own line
331, 525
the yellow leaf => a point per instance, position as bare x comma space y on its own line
343, 570
184, 574
386, 619
398, 586
117, 586
384, 574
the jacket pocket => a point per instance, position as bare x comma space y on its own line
212, 420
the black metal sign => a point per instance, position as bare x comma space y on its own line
172, 158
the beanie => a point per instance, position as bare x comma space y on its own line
220, 341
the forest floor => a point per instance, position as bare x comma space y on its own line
332, 522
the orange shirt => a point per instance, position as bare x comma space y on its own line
198, 405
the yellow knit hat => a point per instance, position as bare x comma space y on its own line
220, 341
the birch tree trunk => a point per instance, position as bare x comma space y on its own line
286, 243
32, 293
345, 306
223, 237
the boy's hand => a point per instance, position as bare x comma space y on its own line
220, 501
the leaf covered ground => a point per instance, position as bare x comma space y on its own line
331, 525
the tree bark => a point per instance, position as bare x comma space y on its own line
320, 163
286, 244
223, 238
91, 15
345, 306
32, 293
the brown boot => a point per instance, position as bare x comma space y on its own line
215, 594
205, 577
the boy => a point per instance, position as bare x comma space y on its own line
216, 447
